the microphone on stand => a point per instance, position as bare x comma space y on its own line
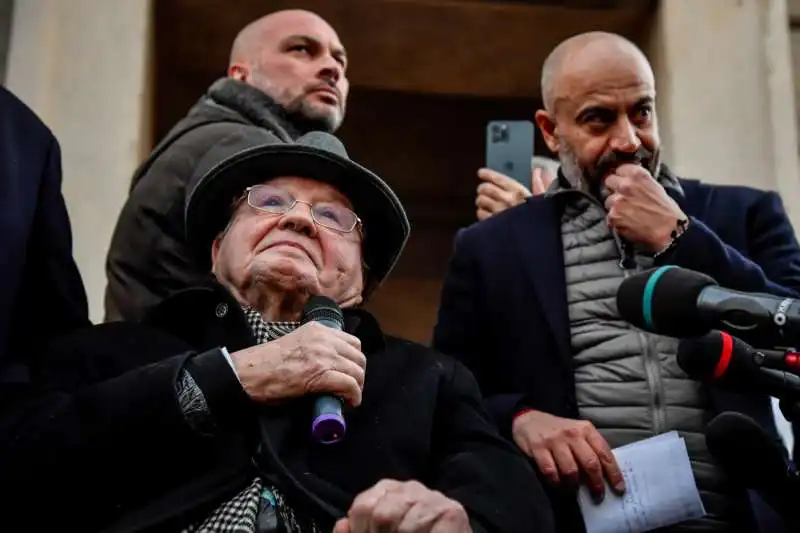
720, 359
757, 461
683, 303
328, 425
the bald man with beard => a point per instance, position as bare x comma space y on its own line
287, 75
529, 304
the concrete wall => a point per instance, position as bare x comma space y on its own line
82, 65
726, 93
6, 10
794, 35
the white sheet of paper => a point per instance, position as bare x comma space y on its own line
672, 435
660, 489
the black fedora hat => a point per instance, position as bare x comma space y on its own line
253, 156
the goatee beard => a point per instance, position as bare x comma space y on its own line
306, 119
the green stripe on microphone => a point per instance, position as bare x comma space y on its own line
647, 297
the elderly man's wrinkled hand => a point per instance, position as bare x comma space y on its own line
313, 359
566, 450
404, 507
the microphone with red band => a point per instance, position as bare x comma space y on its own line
725, 356
328, 425
788, 360
721, 359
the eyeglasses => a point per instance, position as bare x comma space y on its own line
276, 201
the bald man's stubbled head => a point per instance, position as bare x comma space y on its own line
599, 107
296, 58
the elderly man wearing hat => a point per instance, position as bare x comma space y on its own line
219, 438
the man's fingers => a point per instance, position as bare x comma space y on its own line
349, 352
360, 513
612, 200
451, 521
352, 340
420, 518
547, 464
590, 465
489, 204
494, 192
492, 176
607, 461
634, 171
502, 182
565, 462
339, 384
612, 182
342, 526
538, 185
349, 368
389, 511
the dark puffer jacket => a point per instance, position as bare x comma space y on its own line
148, 259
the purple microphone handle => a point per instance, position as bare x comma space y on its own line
328, 426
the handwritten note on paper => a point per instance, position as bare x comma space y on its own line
660, 489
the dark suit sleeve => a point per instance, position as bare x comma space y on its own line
774, 263
49, 265
461, 326
481, 470
103, 423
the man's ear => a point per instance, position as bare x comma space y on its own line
238, 72
547, 125
215, 250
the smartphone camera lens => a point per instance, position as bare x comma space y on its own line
499, 133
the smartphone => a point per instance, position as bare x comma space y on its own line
509, 149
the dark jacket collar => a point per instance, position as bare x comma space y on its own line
257, 107
185, 313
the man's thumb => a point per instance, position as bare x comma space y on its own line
537, 186
342, 526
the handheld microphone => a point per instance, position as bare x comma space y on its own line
723, 360
328, 425
682, 303
756, 461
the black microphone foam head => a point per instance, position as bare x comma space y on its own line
699, 357
719, 357
321, 309
745, 451
663, 300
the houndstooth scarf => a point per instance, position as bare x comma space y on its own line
258, 508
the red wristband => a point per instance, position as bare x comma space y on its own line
521, 412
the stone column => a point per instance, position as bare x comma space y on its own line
726, 93
84, 67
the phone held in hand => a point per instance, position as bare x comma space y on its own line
509, 149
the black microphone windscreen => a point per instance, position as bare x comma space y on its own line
699, 357
663, 300
322, 309
718, 356
745, 451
